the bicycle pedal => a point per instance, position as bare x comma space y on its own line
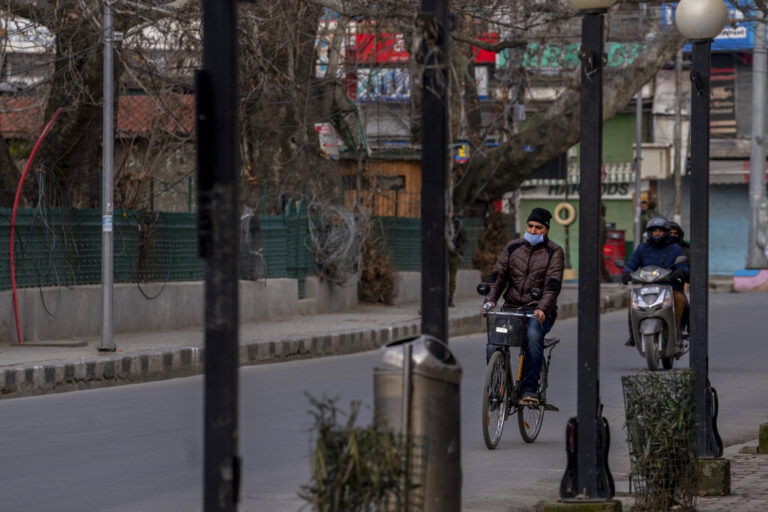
550, 407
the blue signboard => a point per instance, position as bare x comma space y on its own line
739, 36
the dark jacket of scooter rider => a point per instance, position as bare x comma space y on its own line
660, 251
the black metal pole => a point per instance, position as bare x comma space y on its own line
699, 264
218, 239
434, 170
588, 401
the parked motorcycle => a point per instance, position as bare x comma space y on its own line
652, 316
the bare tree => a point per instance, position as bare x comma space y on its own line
284, 94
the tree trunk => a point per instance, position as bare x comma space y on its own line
71, 153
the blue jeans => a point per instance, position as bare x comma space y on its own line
534, 356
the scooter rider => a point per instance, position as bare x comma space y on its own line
677, 236
660, 251
534, 261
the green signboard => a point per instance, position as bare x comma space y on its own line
552, 56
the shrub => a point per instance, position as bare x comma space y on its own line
661, 432
354, 469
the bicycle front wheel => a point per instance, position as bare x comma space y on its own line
495, 397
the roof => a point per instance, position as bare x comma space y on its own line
22, 116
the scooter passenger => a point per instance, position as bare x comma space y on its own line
660, 251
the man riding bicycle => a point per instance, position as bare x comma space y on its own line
533, 261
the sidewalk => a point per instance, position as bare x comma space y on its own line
52, 366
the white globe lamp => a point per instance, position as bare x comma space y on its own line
701, 19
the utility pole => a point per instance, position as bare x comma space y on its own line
218, 225
434, 170
677, 137
756, 257
638, 163
107, 192
638, 141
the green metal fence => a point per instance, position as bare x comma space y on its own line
63, 247
402, 236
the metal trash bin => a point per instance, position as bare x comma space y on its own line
429, 415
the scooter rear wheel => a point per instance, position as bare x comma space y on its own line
651, 352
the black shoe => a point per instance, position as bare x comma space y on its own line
451, 304
630, 342
530, 398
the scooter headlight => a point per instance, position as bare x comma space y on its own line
667, 298
637, 300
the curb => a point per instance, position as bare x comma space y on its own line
115, 370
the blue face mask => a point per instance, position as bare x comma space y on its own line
533, 239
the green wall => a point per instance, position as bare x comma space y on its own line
618, 211
619, 138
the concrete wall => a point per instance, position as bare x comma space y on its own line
408, 285
62, 313
71, 313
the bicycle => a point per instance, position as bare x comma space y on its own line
502, 393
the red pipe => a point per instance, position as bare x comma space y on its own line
13, 217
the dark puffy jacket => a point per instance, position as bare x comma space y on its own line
520, 268
649, 254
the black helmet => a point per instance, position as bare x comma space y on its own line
674, 225
657, 223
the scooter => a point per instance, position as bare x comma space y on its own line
652, 316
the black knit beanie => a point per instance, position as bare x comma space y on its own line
541, 216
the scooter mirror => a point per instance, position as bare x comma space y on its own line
536, 293
618, 263
483, 288
681, 259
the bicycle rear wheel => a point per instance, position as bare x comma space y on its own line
529, 419
495, 398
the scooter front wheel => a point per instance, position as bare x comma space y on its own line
651, 351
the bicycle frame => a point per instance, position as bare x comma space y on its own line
516, 384
502, 395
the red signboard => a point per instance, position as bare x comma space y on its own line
380, 48
391, 48
485, 56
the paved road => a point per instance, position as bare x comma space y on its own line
139, 447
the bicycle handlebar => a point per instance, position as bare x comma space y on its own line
510, 313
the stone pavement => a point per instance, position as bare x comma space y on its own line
749, 484
66, 365
749, 487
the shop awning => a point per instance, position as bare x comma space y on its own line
623, 172
729, 172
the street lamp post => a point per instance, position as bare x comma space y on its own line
700, 21
434, 170
590, 478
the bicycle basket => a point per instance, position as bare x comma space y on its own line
505, 330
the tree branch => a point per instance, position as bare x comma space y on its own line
491, 47
493, 171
